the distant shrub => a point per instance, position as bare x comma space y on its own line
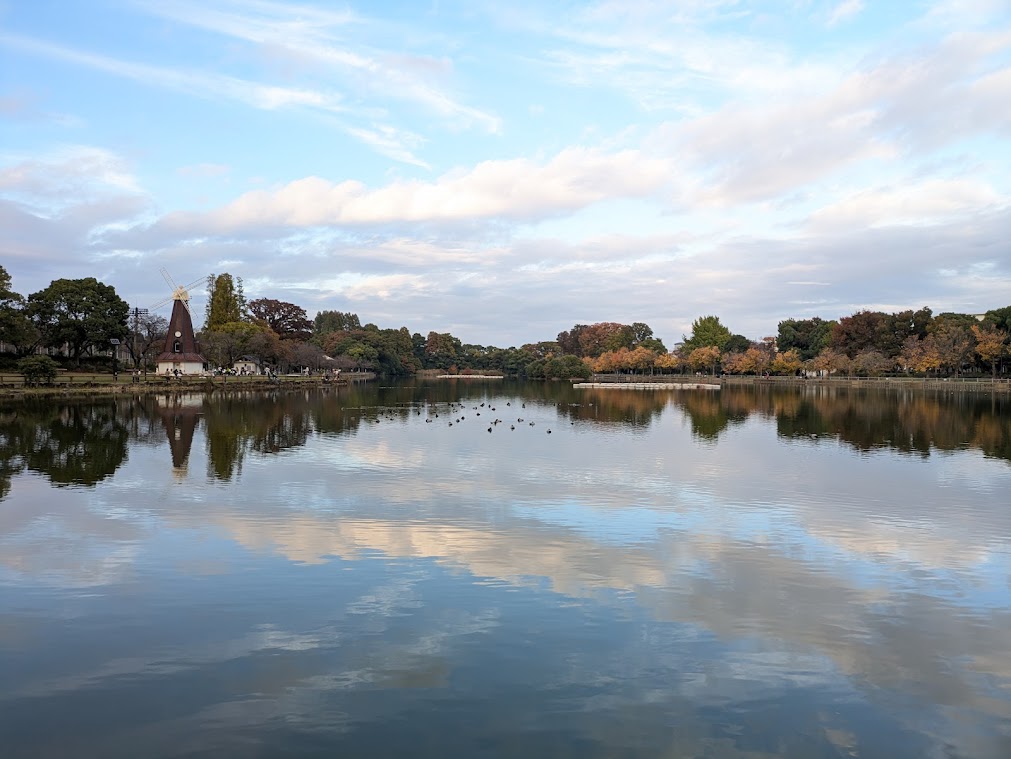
38, 370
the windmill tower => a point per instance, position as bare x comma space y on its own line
181, 353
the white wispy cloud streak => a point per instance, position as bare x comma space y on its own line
310, 38
214, 86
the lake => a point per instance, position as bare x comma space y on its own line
497, 569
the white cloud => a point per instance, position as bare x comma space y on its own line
310, 38
929, 202
517, 189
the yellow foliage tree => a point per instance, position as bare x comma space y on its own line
701, 358
991, 344
787, 362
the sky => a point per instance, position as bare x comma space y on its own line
506, 170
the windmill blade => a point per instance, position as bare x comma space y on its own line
194, 283
168, 278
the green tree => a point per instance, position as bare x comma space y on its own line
79, 313
38, 370
999, 318
335, 321
15, 327
736, 344
809, 336
707, 331
226, 344
226, 302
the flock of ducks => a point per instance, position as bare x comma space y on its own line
458, 406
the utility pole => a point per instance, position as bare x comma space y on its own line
137, 313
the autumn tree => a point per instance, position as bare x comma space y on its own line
831, 360
707, 331
667, 362
226, 302
920, 354
79, 313
442, 348
787, 362
872, 363
286, 319
952, 340
991, 345
734, 363
705, 357
569, 341
859, 332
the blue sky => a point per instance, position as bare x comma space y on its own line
503, 171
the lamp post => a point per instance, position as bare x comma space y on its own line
114, 342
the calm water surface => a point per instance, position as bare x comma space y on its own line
372, 572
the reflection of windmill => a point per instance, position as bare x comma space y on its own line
181, 354
180, 416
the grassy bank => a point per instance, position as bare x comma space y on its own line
92, 383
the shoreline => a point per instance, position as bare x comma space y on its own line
104, 386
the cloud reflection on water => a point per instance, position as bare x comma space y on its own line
764, 563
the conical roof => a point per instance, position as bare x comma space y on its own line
180, 343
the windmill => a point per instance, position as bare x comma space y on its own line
181, 354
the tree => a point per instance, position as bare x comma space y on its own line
999, 318
226, 344
442, 348
565, 367
15, 327
38, 370
919, 355
872, 363
79, 313
286, 319
226, 302
335, 321
569, 342
953, 341
736, 344
809, 336
307, 354
706, 356
787, 362
859, 332
667, 362
150, 331
991, 344
707, 331
268, 348
831, 360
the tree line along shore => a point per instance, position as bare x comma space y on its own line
83, 324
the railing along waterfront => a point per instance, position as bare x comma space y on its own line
961, 384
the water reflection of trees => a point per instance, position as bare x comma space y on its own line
71, 443
631, 407
236, 424
912, 422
